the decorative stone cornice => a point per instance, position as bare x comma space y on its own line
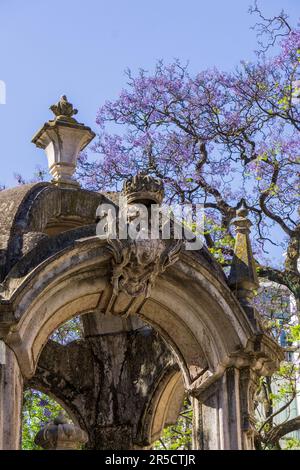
62, 139
60, 435
142, 188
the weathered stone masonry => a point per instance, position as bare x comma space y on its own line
122, 383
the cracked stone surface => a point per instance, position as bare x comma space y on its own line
105, 382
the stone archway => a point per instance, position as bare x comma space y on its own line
190, 305
122, 386
54, 267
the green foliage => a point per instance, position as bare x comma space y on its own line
38, 409
292, 444
294, 333
178, 436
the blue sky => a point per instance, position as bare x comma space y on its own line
81, 48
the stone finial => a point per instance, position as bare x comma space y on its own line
63, 138
60, 435
63, 110
143, 188
243, 278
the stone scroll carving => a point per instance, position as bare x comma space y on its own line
137, 263
138, 259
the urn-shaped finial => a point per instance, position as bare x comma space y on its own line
60, 435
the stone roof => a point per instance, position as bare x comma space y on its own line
26, 210
11, 201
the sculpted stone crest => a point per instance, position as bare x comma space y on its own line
137, 263
138, 260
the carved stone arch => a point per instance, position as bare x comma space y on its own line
163, 407
190, 305
77, 280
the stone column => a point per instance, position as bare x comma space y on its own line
11, 397
106, 380
223, 413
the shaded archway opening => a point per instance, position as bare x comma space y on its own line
149, 388
190, 306
178, 435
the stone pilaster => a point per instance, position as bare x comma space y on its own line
11, 398
224, 412
248, 386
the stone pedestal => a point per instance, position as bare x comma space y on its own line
62, 139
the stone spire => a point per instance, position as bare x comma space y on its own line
63, 138
243, 279
60, 435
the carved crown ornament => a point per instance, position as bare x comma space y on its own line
143, 188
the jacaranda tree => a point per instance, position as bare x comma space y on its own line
220, 138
